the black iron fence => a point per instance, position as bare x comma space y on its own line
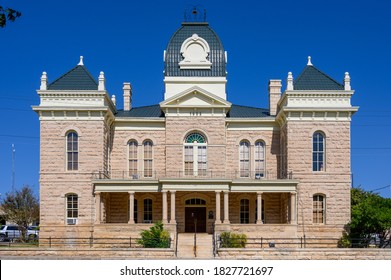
91, 242
301, 242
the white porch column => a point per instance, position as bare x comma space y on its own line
293, 208
165, 210
131, 208
226, 208
218, 207
259, 208
97, 208
172, 220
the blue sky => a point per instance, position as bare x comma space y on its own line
264, 40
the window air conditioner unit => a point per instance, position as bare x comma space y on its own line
258, 176
71, 221
135, 176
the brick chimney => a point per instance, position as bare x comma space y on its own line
127, 96
274, 95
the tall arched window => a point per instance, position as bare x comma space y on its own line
244, 211
195, 154
147, 158
132, 147
318, 151
244, 158
319, 209
72, 151
147, 210
72, 208
259, 159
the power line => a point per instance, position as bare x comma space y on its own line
388, 186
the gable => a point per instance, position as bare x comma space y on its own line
195, 97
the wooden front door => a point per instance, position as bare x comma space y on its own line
192, 214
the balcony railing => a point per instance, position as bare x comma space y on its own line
200, 174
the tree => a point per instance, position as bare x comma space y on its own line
371, 214
22, 208
8, 14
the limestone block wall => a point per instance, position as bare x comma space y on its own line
333, 182
214, 129
56, 181
272, 148
119, 154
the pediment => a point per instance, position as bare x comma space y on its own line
195, 97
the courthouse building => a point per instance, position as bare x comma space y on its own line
281, 172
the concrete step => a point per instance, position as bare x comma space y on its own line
186, 245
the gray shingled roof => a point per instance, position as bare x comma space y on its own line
77, 78
313, 79
216, 55
238, 111
154, 111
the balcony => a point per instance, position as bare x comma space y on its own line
195, 175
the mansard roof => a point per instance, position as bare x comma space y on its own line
173, 52
154, 111
78, 78
313, 79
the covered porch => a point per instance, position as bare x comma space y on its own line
197, 205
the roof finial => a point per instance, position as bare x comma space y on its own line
309, 61
289, 83
346, 82
81, 60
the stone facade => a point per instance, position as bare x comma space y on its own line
121, 187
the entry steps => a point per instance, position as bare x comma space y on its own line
204, 246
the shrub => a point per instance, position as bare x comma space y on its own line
155, 237
344, 241
233, 240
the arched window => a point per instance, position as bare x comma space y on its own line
259, 159
319, 209
195, 154
244, 158
244, 211
195, 201
148, 158
132, 149
318, 151
147, 211
72, 209
72, 150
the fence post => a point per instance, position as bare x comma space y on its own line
301, 242
91, 240
50, 242
130, 242
261, 242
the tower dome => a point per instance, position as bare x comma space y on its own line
195, 50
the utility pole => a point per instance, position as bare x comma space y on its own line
13, 168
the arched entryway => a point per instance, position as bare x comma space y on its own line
195, 215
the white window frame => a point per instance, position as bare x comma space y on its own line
73, 218
258, 160
195, 147
72, 151
317, 209
244, 173
133, 173
147, 161
320, 165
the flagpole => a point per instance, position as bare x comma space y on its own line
13, 168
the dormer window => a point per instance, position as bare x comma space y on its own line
195, 52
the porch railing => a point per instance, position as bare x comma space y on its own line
200, 174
